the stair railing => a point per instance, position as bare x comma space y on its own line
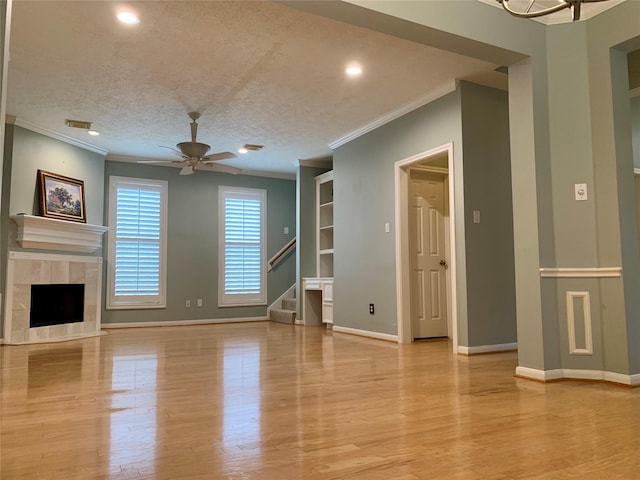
281, 254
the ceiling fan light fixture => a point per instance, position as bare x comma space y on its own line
575, 7
193, 149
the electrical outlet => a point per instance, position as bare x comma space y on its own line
371, 309
199, 302
187, 304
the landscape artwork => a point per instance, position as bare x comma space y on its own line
61, 197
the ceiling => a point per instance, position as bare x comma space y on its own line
258, 72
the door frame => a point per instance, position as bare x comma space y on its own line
403, 270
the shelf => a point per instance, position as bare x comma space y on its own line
327, 205
328, 251
328, 227
52, 234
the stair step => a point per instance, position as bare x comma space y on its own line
283, 316
289, 303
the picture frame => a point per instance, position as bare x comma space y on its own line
61, 197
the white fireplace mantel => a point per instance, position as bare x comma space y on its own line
62, 235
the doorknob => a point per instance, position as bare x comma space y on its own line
443, 263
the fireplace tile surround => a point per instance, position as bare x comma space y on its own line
26, 268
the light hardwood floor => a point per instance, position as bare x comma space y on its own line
271, 401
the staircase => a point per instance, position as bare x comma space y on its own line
283, 310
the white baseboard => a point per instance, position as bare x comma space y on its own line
501, 347
183, 322
366, 333
569, 373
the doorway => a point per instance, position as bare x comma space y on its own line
439, 161
428, 252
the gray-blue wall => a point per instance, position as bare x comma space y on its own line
192, 244
475, 119
491, 296
364, 255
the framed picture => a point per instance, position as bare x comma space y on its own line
61, 197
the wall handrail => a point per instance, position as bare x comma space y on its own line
281, 254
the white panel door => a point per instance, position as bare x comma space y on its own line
428, 262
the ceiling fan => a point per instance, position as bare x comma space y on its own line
193, 154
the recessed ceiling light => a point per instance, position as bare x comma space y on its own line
93, 133
242, 150
354, 70
128, 18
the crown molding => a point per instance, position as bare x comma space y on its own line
13, 120
444, 89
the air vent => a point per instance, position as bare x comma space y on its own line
78, 124
253, 148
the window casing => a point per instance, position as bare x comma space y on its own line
242, 246
136, 273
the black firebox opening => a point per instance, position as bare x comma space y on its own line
55, 304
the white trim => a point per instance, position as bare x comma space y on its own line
403, 270
634, 92
541, 375
500, 347
56, 257
53, 234
176, 323
11, 119
571, 323
241, 299
591, 272
365, 333
558, 374
128, 302
441, 91
631, 380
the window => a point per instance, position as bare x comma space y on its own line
137, 243
241, 274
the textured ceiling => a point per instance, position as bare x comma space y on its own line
258, 72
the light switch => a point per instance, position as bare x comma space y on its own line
581, 191
387, 227
476, 216
286, 230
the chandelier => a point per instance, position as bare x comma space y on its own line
573, 5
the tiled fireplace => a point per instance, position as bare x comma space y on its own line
54, 270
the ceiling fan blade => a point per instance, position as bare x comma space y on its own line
188, 170
214, 157
221, 167
174, 150
160, 161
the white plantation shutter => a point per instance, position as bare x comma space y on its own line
137, 243
242, 250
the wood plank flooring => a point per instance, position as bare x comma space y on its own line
272, 401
